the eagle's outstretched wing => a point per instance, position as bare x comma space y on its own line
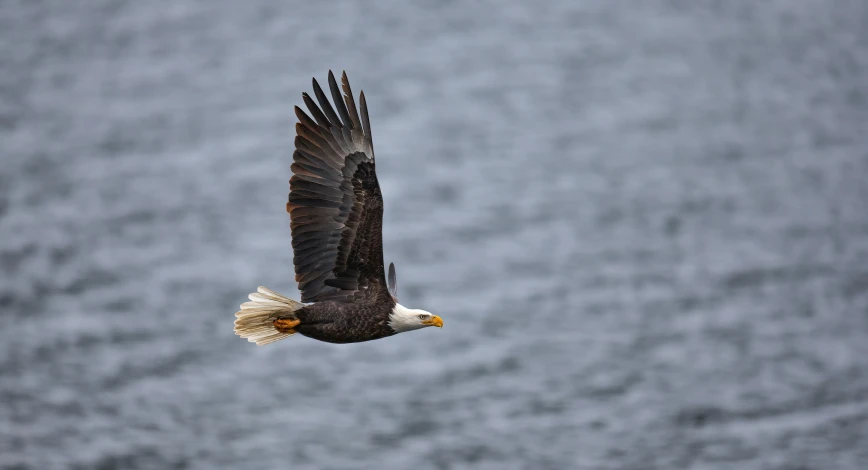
335, 204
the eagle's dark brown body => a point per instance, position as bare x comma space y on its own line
338, 322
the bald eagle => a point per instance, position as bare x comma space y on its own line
336, 219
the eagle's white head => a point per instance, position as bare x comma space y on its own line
407, 319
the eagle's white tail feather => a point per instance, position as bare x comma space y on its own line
255, 320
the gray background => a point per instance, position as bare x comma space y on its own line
644, 224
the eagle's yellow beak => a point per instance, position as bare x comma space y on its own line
434, 321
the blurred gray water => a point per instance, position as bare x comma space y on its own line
645, 227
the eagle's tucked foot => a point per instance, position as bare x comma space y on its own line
286, 325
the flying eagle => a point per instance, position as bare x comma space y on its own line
336, 213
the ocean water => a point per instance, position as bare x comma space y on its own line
645, 226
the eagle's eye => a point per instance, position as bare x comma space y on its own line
423, 317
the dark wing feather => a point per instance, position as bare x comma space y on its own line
339, 102
366, 122
351, 105
335, 202
393, 282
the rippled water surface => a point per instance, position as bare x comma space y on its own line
644, 226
